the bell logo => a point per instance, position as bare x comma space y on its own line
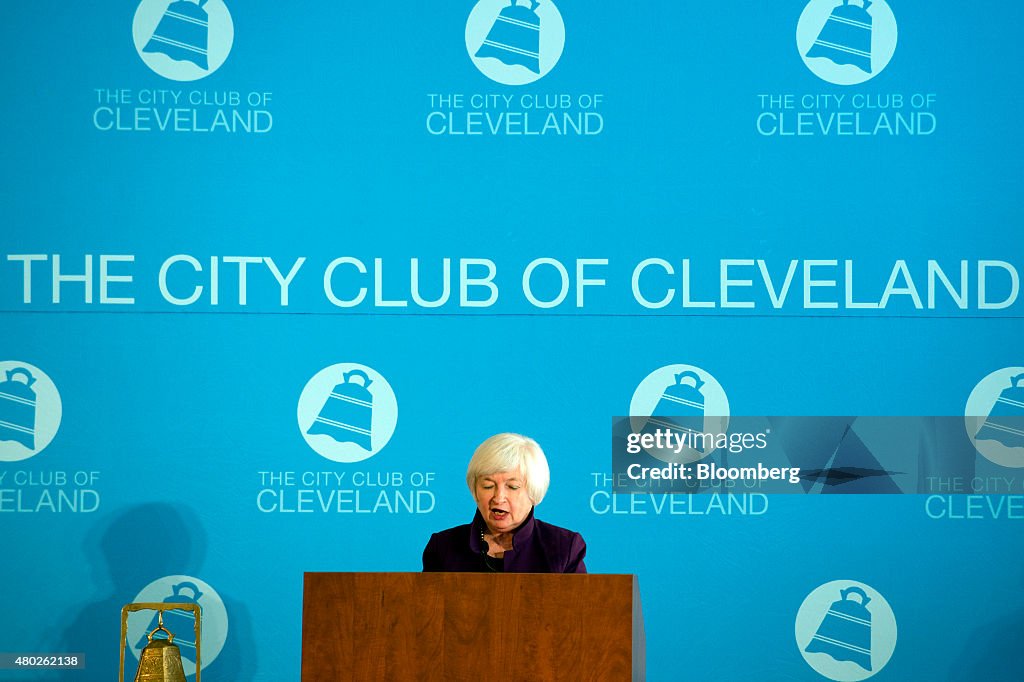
682, 400
994, 417
183, 40
515, 42
846, 631
181, 589
846, 42
347, 412
30, 411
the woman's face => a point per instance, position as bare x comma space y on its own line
503, 501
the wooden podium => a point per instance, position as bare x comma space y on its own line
471, 626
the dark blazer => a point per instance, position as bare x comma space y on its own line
537, 547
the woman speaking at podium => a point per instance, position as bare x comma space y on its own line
508, 476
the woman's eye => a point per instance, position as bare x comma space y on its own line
513, 487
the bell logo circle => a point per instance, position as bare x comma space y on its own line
846, 42
183, 40
994, 417
515, 42
347, 412
683, 400
846, 631
181, 589
30, 411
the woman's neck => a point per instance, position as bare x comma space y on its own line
503, 540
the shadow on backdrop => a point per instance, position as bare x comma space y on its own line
128, 550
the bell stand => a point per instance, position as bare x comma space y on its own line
161, 607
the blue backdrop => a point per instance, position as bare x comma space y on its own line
156, 151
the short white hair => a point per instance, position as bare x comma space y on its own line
506, 452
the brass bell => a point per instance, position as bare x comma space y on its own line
160, 660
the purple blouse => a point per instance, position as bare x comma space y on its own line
537, 547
